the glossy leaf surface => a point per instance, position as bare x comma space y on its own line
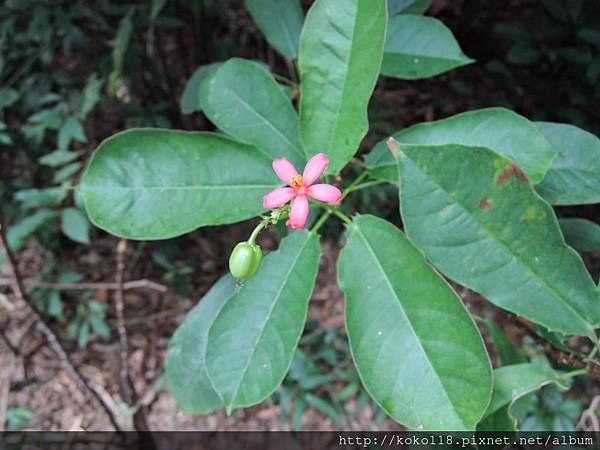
409, 332
499, 129
407, 6
186, 359
477, 219
340, 56
581, 234
156, 184
244, 100
190, 100
574, 177
510, 384
253, 338
506, 352
280, 21
420, 47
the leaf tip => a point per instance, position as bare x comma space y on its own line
393, 146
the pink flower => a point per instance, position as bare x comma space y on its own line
300, 188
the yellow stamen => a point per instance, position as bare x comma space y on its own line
297, 181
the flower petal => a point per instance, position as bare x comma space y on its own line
324, 193
314, 168
285, 170
278, 197
298, 213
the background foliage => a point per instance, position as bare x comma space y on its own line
72, 74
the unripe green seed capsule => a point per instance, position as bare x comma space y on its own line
257, 259
245, 260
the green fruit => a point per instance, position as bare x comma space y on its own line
257, 259
245, 260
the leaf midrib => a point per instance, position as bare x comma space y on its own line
399, 303
426, 57
87, 187
507, 248
343, 90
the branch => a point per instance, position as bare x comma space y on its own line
6, 373
589, 420
140, 422
126, 387
128, 285
51, 338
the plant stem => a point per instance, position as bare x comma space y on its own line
321, 221
285, 80
594, 351
336, 212
367, 184
341, 215
574, 373
357, 180
256, 232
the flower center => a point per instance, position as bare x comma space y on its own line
297, 181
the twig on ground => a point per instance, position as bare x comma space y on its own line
140, 422
589, 420
4, 338
134, 284
5, 303
6, 371
51, 338
160, 315
126, 385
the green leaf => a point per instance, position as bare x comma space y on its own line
121, 41
155, 7
500, 421
506, 351
185, 362
523, 53
33, 198
190, 100
100, 327
574, 177
244, 100
55, 307
66, 172
582, 234
298, 413
58, 157
8, 97
75, 225
253, 338
17, 234
340, 56
409, 332
91, 95
407, 6
477, 219
69, 131
420, 47
499, 129
510, 384
324, 406
280, 21
156, 184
